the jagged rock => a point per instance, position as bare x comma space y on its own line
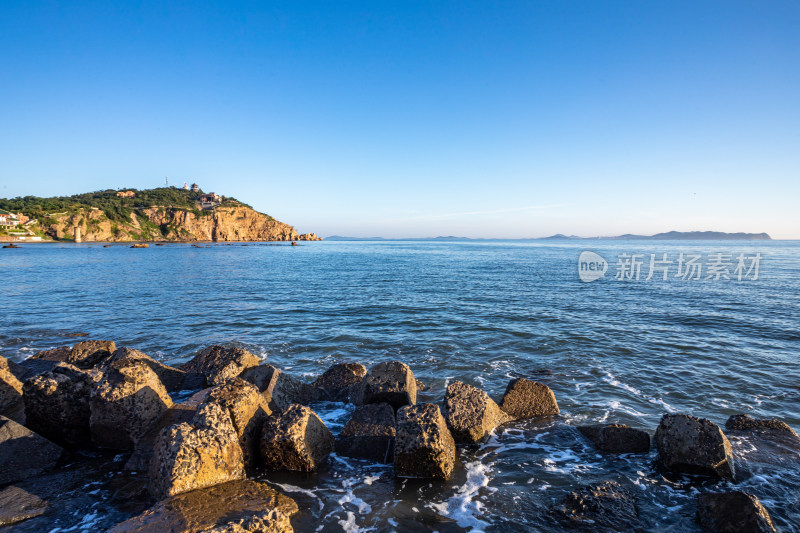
420, 385
391, 383
280, 389
424, 447
10, 390
170, 377
340, 379
197, 455
23, 453
603, 507
295, 439
247, 505
764, 425
57, 355
694, 446
17, 505
57, 405
733, 512
470, 414
369, 433
87, 354
124, 403
617, 438
527, 399
248, 410
218, 363
139, 460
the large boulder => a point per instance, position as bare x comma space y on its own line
341, 381
424, 447
60, 354
617, 438
124, 403
528, 399
603, 507
248, 410
391, 383
759, 425
295, 439
369, 433
10, 390
57, 405
87, 354
236, 506
733, 512
218, 363
694, 445
17, 505
470, 413
170, 377
280, 389
139, 461
23, 453
197, 455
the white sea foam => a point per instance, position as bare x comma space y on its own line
614, 382
464, 506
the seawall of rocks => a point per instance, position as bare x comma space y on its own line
242, 417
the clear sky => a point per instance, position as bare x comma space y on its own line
411, 119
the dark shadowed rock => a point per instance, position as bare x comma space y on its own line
57, 405
124, 403
170, 377
248, 410
527, 399
250, 505
197, 455
340, 379
139, 461
218, 363
391, 383
617, 438
87, 354
470, 413
280, 389
603, 507
762, 425
733, 512
10, 391
369, 433
56, 355
424, 447
694, 445
295, 439
17, 504
23, 453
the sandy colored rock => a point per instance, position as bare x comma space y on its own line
57, 405
603, 507
248, 410
58, 355
295, 439
218, 363
617, 438
236, 506
139, 461
338, 381
23, 453
17, 504
424, 447
391, 383
470, 413
170, 377
692, 445
10, 390
280, 389
369, 433
124, 403
87, 354
528, 399
197, 455
733, 512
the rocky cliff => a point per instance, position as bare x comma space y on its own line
223, 223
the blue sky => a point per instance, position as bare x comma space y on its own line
411, 119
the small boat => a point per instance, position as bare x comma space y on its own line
11, 245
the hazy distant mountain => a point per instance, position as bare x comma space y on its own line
670, 235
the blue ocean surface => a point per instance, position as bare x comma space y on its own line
483, 312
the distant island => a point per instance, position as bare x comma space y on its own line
129, 215
670, 235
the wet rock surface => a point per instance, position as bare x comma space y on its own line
340, 381
424, 447
528, 399
391, 383
691, 445
10, 390
218, 363
369, 433
23, 453
295, 439
733, 512
603, 507
769, 426
17, 505
617, 438
470, 413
